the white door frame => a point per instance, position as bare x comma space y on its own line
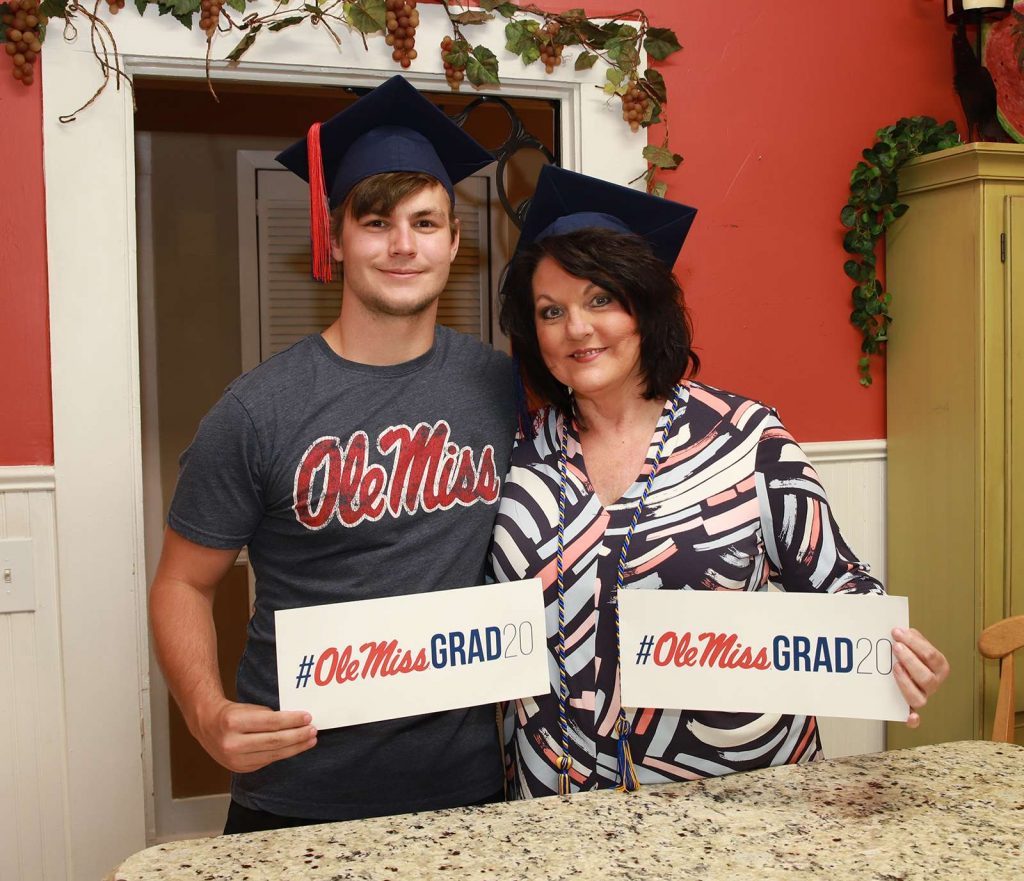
94, 333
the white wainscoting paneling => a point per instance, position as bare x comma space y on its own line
853, 474
33, 830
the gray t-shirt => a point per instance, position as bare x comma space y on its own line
351, 482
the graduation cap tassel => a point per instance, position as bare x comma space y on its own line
627, 773
319, 216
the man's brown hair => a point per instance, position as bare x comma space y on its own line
381, 194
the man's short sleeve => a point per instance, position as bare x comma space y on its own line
218, 501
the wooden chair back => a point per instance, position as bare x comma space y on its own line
999, 642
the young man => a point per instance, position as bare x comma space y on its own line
361, 462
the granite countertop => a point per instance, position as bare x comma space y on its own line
952, 810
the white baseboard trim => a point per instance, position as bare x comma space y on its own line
27, 478
845, 451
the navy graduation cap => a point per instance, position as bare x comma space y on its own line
565, 202
392, 128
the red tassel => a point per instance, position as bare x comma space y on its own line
319, 216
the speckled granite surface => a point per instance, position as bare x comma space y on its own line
948, 811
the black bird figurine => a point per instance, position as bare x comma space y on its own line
973, 83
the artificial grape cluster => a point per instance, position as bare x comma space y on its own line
453, 73
21, 23
209, 15
114, 6
635, 104
550, 51
402, 20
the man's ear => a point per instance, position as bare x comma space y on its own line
456, 231
336, 248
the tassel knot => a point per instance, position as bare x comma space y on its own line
564, 767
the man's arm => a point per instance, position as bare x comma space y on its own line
241, 737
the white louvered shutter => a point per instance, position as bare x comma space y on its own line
293, 305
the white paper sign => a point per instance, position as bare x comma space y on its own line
368, 660
764, 652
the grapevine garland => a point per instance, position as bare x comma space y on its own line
531, 32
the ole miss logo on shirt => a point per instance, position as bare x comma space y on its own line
427, 472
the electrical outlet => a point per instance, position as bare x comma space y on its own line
17, 578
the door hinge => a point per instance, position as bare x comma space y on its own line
1002, 247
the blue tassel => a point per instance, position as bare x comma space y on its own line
627, 773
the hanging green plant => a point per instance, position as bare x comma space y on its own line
871, 209
531, 32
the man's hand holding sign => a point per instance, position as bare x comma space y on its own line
370, 660
767, 652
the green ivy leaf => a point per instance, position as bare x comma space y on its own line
482, 67
507, 9
287, 22
239, 5
139, 5
851, 242
53, 8
519, 35
185, 20
848, 216
567, 37
652, 116
854, 270
656, 82
243, 45
659, 189
660, 43
458, 55
614, 76
366, 16
184, 7
585, 61
530, 54
622, 50
661, 157
471, 16
595, 36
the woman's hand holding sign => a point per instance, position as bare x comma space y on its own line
919, 669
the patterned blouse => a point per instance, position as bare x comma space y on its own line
735, 506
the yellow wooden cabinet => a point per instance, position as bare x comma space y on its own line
955, 381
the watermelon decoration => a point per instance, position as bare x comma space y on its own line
1004, 57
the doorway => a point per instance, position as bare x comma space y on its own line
214, 283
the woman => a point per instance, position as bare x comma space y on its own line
638, 478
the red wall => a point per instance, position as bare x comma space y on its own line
26, 429
771, 105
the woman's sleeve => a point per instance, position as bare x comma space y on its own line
806, 550
527, 518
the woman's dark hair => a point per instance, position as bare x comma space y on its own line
623, 265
